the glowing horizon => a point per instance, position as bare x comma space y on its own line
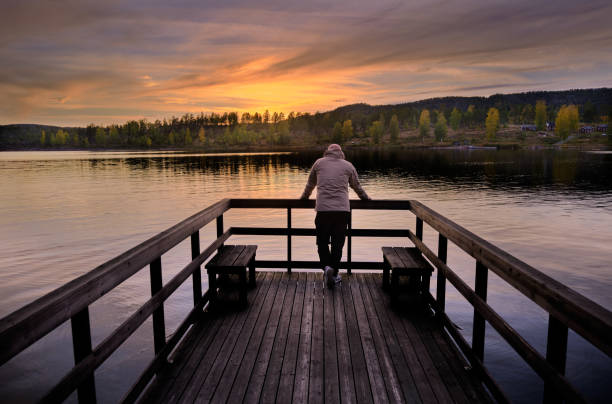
71, 63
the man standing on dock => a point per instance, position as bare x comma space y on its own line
332, 175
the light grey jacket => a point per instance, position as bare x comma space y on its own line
332, 175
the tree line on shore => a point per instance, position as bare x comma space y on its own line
358, 121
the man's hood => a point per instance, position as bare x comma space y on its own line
334, 150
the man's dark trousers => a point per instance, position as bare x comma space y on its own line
331, 227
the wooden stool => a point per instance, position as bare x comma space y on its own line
232, 259
405, 261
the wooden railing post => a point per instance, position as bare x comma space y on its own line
289, 239
419, 228
159, 326
478, 332
81, 344
556, 355
349, 248
441, 280
197, 273
220, 229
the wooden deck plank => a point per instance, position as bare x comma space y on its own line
300, 342
345, 367
361, 378
207, 376
377, 383
288, 369
276, 334
390, 375
316, 383
332, 379
447, 375
450, 355
378, 310
421, 380
302, 366
437, 385
246, 348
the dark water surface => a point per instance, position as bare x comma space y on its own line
64, 213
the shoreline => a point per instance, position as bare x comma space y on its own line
301, 148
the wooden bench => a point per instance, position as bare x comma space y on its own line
232, 259
405, 261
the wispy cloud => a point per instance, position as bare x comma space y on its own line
74, 62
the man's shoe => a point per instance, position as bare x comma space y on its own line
329, 276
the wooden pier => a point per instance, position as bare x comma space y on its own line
298, 341
301, 342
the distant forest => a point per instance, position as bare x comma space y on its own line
362, 121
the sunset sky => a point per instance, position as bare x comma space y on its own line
74, 62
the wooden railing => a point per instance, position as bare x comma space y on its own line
566, 308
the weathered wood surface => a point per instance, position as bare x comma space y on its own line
300, 342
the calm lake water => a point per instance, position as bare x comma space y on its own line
64, 213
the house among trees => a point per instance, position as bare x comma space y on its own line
602, 128
587, 129
531, 128
550, 125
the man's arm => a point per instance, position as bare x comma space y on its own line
310, 184
354, 183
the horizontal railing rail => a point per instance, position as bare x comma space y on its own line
567, 308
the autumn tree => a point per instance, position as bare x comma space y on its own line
188, 139
375, 131
424, 122
440, 129
455, 119
266, 116
540, 115
566, 121
43, 137
492, 123
394, 129
347, 130
202, 134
